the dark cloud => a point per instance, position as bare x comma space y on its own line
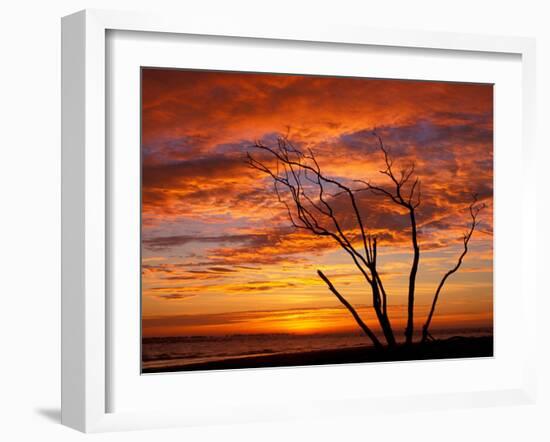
176, 296
221, 270
261, 286
426, 138
160, 176
174, 149
163, 242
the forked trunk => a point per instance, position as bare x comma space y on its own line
381, 315
412, 282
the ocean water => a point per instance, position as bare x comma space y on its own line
164, 352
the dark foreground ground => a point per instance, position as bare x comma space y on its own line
456, 347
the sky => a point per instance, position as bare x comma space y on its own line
219, 254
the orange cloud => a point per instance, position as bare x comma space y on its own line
211, 223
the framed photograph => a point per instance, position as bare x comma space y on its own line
267, 244
250, 213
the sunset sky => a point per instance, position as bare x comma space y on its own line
220, 255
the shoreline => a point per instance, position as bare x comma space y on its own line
451, 348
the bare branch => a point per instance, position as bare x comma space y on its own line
398, 183
292, 181
474, 210
353, 312
407, 202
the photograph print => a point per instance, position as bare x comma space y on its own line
299, 220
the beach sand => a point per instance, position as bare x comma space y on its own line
456, 347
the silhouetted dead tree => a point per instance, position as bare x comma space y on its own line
310, 199
474, 211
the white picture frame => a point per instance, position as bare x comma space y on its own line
85, 209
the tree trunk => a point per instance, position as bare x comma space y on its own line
382, 317
412, 281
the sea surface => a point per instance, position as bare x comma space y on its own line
163, 352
